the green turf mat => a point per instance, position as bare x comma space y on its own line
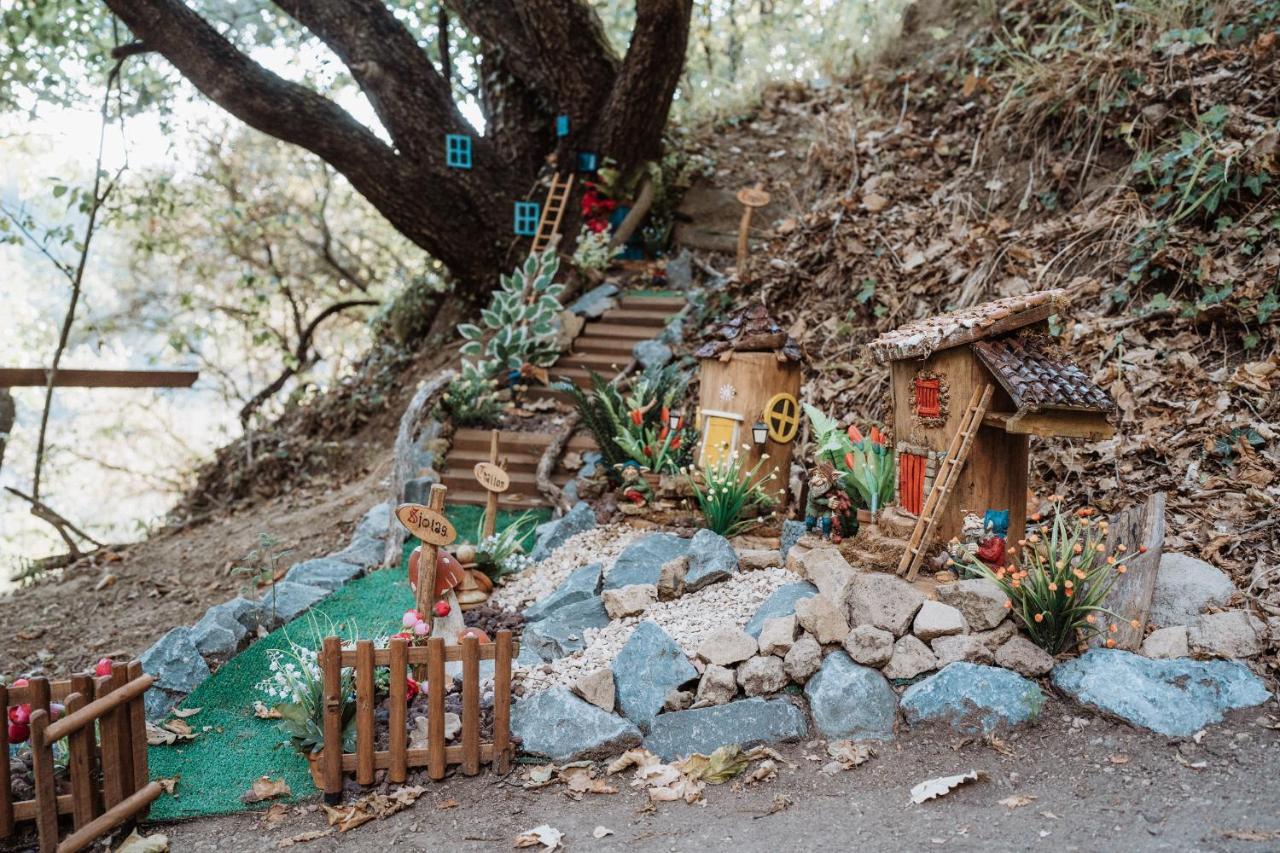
220, 765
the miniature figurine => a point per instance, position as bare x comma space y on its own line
828, 506
983, 538
635, 487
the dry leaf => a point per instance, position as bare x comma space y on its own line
717, 768
765, 771
1193, 765
942, 785
371, 807
179, 728
1017, 801
183, 713
1118, 759
164, 736
448, 804
849, 754
999, 745
781, 802
601, 832
136, 843
168, 785
262, 712
548, 836
264, 788
303, 837
275, 813
873, 203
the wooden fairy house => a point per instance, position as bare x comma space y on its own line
750, 372
968, 389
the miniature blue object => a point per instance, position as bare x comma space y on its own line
587, 161
526, 218
562, 125
457, 150
997, 521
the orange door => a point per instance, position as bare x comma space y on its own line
911, 482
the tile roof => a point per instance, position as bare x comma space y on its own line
922, 338
1037, 378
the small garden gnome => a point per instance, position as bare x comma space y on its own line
635, 488
826, 503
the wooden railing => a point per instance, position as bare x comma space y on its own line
469, 753
105, 728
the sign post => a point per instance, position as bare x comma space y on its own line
428, 524
495, 480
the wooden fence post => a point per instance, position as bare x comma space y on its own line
396, 719
435, 708
42, 769
80, 761
502, 703
331, 671
364, 712
6, 794
470, 705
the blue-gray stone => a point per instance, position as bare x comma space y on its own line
673, 332
649, 667
220, 631
849, 700
286, 600
326, 572
559, 725
157, 703
1176, 697
579, 586
680, 271
175, 662
711, 560
418, 490
791, 532
375, 522
591, 462
561, 633
747, 723
641, 561
552, 534
652, 353
781, 603
596, 301
974, 698
363, 552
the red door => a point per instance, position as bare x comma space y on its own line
911, 482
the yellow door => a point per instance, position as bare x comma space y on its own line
719, 437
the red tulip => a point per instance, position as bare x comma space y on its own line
637, 417
855, 435
877, 436
442, 608
848, 461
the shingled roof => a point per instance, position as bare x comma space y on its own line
923, 338
1036, 378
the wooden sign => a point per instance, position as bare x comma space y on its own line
427, 524
492, 477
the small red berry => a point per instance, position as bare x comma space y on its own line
20, 714
103, 667
442, 608
19, 732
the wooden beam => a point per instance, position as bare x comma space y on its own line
1092, 426
16, 377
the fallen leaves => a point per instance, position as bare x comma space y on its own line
846, 755
262, 712
1017, 801
372, 806
136, 843
265, 788
545, 835
943, 785
168, 733
303, 837
686, 779
183, 713
579, 778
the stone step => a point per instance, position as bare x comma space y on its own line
512, 441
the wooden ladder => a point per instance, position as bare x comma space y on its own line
552, 212
944, 482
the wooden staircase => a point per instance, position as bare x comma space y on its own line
552, 212
945, 482
601, 348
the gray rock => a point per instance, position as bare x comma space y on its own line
781, 603
717, 686
777, 635
726, 646
822, 619
1176, 698
559, 725
981, 602
803, 660
974, 648
597, 688
375, 522
418, 489
175, 663
911, 657
581, 585
642, 560
1230, 634
851, 701
828, 570
885, 601
711, 560
288, 601
791, 533
652, 353
869, 645
591, 463
1185, 586
629, 600
671, 578
1167, 643
325, 572
680, 271
552, 534
747, 723
561, 633
596, 301
762, 675
1024, 657
219, 632
936, 619
363, 552
754, 559
157, 703
649, 667
970, 697
678, 700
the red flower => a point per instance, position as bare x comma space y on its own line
637, 417
103, 667
19, 732
877, 436
410, 689
848, 458
855, 434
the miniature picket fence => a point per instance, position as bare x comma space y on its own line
469, 753
105, 727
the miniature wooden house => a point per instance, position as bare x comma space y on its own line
938, 363
750, 375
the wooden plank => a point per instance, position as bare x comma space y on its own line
502, 702
42, 769
6, 793
112, 693
1137, 527
137, 803
417, 757
136, 719
420, 654
396, 722
26, 810
331, 672
435, 708
364, 712
15, 377
470, 707
1092, 426
80, 767
115, 785
120, 671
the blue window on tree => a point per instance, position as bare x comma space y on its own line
526, 223
457, 150
587, 161
562, 125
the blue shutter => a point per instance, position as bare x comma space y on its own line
457, 150
526, 218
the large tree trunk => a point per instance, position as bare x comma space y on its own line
551, 55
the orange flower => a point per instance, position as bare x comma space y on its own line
1111, 644
1081, 575
1008, 605
1091, 618
1068, 584
1100, 547
1142, 549
1015, 583
1069, 592
1053, 587
1113, 627
1121, 548
1039, 617
1036, 517
1121, 569
1134, 623
1077, 549
1055, 498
